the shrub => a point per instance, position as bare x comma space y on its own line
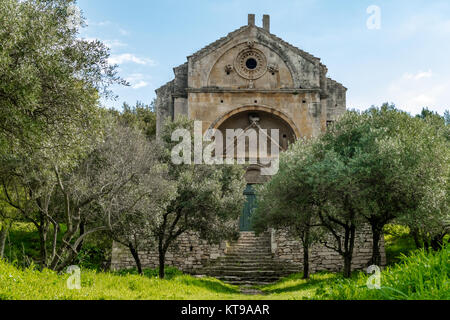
422, 276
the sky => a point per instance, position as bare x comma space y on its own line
394, 51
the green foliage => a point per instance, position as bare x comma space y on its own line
140, 116
398, 242
421, 276
395, 231
208, 198
371, 167
50, 118
50, 81
22, 248
22, 244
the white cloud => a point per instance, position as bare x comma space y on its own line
137, 81
413, 91
98, 24
130, 58
140, 84
114, 44
418, 76
123, 32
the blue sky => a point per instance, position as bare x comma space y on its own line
406, 61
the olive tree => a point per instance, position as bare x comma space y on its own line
141, 190
50, 118
393, 160
429, 221
313, 188
287, 203
208, 198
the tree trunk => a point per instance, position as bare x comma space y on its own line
82, 230
305, 262
437, 242
3, 235
348, 265
137, 259
61, 266
306, 243
43, 245
426, 243
376, 255
162, 263
55, 240
415, 235
349, 245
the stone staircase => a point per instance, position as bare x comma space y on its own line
249, 261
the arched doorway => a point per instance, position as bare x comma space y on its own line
261, 120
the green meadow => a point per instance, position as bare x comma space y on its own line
420, 276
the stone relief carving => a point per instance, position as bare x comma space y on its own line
272, 68
228, 68
251, 64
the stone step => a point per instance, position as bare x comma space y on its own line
251, 243
249, 261
249, 283
249, 279
249, 251
247, 256
250, 248
251, 268
246, 272
255, 245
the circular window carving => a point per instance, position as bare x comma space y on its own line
251, 64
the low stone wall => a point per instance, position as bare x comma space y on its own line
190, 253
187, 254
286, 248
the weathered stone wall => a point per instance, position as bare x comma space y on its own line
164, 105
187, 254
286, 248
302, 109
336, 100
190, 253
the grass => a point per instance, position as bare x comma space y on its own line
22, 243
422, 275
398, 242
31, 284
296, 288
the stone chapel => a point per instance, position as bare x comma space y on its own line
252, 74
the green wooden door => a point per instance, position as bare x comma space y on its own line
249, 206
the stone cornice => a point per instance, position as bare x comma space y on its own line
246, 90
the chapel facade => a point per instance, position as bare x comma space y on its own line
252, 79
